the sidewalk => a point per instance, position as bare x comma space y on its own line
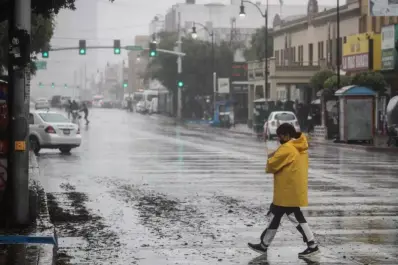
379, 145
39, 250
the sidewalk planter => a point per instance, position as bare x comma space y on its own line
356, 114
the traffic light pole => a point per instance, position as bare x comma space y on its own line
179, 69
178, 53
20, 88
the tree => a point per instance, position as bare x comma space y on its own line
46, 8
373, 80
331, 82
257, 47
317, 81
197, 72
41, 32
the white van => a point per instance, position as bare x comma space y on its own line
149, 95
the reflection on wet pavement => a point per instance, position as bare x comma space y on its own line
158, 193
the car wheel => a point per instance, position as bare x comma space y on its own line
65, 150
34, 144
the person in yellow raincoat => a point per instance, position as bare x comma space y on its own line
289, 164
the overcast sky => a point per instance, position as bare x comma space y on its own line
99, 22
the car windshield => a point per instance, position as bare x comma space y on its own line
53, 117
137, 97
150, 97
285, 117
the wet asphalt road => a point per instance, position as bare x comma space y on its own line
141, 190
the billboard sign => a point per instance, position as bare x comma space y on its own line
388, 53
223, 85
239, 71
383, 8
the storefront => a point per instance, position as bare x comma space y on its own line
362, 52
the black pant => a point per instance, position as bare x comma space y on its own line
295, 215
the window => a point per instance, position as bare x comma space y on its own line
282, 57
31, 119
53, 117
301, 54
374, 28
310, 53
294, 55
362, 24
391, 20
321, 54
277, 57
285, 117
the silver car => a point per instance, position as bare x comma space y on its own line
42, 103
52, 130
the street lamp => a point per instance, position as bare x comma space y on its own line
242, 14
194, 35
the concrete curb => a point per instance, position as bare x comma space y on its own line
380, 149
46, 254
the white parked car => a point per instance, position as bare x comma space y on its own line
52, 130
42, 103
277, 118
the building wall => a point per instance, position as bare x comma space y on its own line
373, 24
219, 16
321, 33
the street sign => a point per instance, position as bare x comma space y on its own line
134, 48
41, 65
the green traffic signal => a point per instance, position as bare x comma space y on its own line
153, 54
117, 51
125, 85
82, 51
52, 85
180, 84
44, 54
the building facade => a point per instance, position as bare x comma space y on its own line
137, 64
223, 19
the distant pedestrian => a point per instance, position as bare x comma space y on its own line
84, 109
289, 164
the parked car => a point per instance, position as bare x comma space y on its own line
42, 103
106, 104
277, 118
52, 130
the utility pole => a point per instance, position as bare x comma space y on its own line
19, 72
179, 68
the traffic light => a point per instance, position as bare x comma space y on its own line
116, 46
52, 85
152, 49
40, 84
44, 54
180, 83
66, 86
125, 84
82, 47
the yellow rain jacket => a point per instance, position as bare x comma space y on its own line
289, 164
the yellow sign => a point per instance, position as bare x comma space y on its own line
356, 52
20, 146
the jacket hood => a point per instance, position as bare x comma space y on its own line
300, 143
